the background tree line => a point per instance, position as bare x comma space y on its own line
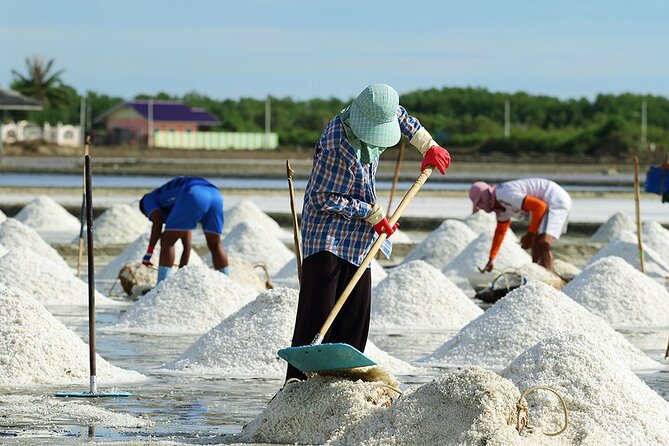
471, 119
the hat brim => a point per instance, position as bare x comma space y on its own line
385, 134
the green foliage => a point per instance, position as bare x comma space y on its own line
471, 118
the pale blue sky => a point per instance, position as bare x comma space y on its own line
308, 49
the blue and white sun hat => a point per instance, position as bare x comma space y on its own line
373, 116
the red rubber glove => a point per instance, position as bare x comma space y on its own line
384, 226
437, 157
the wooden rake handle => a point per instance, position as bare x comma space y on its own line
411, 193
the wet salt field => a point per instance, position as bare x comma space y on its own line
212, 406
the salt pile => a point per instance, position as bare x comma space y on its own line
565, 270
14, 234
626, 246
475, 255
49, 219
36, 348
535, 271
400, 237
252, 242
259, 330
467, 407
57, 410
656, 236
622, 295
442, 244
612, 228
480, 222
247, 211
607, 403
287, 275
45, 281
418, 295
521, 319
245, 274
192, 300
106, 277
119, 224
3, 217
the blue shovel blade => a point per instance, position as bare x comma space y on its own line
325, 357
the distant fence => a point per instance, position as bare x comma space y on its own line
61, 134
214, 140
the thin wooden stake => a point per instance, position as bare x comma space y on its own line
638, 212
82, 214
296, 229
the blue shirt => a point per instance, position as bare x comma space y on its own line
164, 197
340, 193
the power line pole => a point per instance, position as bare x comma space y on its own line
268, 121
644, 123
507, 118
149, 136
82, 121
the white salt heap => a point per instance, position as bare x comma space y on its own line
400, 237
72, 411
191, 300
657, 237
443, 244
607, 403
256, 332
565, 270
247, 211
35, 348
287, 275
622, 295
14, 234
251, 241
245, 274
49, 219
417, 295
534, 271
521, 319
119, 224
468, 407
626, 246
612, 228
133, 253
480, 222
3, 217
45, 281
475, 255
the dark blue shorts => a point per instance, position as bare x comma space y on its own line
198, 203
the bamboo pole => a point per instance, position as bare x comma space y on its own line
638, 212
296, 235
82, 214
398, 165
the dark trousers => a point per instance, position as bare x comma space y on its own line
324, 277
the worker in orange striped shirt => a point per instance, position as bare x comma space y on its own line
543, 202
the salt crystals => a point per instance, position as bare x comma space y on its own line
193, 299
612, 228
472, 406
3, 217
119, 224
14, 234
251, 241
607, 403
246, 211
657, 237
522, 318
418, 295
36, 348
622, 295
45, 281
626, 246
49, 219
443, 244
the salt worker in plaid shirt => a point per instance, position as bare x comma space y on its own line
341, 217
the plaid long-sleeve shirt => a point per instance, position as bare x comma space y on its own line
340, 194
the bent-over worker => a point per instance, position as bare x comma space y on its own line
542, 201
181, 204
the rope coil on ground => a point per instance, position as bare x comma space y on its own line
523, 414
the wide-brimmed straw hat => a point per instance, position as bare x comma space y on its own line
373, 116
482, 195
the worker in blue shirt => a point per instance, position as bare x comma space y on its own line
180, 204
341, 216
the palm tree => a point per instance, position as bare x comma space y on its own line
40, 83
